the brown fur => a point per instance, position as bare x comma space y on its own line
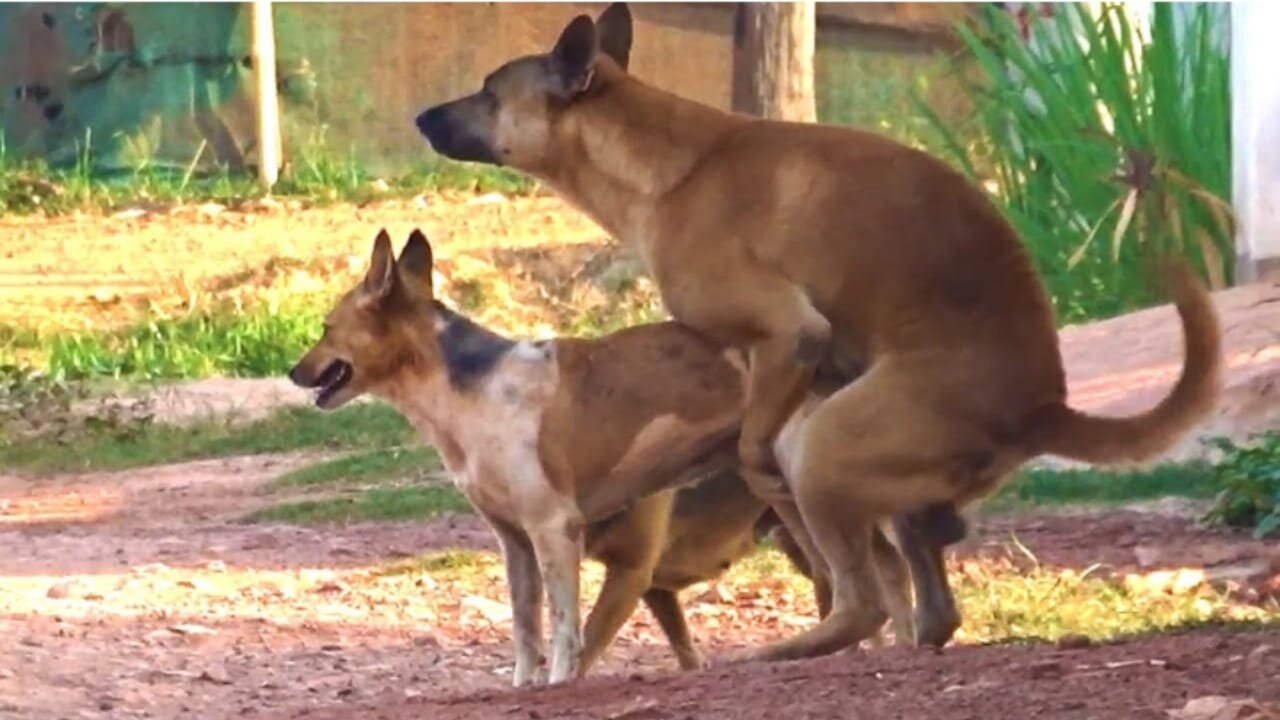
536, 434
794, 241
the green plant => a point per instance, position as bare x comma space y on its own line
1249, 478
1098, 129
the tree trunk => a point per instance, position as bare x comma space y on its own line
773, 46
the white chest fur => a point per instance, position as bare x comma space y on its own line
487, 432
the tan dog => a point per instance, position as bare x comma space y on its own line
534, 434
798, 242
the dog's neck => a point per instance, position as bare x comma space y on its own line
445, 401
631, 145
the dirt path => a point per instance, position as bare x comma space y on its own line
138, 594
1133, 680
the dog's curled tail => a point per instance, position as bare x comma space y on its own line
1060, 430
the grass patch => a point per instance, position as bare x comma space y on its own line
257, 343
30, 186
445, 562
1001, 603
1063, 487
363, 468
404, 503
361, 426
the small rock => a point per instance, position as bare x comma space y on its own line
331, 647
330, 586
1074, 641
192, 629
426, 641
61, 590
31, 642
215, 675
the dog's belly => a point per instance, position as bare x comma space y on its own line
695, 558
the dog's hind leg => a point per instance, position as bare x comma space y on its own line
789, 546
922, 541
895, 578
630, 551
525, 584
665, 606
870, 451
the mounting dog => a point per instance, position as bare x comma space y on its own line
552, 438
798, 242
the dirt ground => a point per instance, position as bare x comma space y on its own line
139, 594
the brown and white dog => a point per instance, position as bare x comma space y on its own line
798, 242
556, 440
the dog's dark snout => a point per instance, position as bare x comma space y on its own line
432, 125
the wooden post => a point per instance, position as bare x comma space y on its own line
263, 52
1255, 140
773, 48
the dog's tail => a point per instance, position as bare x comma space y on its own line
1060, 430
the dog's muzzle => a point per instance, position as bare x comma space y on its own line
451, 141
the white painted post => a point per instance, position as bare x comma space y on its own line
1255, 139
268, 106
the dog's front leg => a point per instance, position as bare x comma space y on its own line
525, 584
558, 544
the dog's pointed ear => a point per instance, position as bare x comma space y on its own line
381, 277
415, 259
573, 60
613, 28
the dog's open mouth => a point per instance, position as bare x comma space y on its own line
334, 378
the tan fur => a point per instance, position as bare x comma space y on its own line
555, 438
796, 242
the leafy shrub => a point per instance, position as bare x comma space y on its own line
1249, 477
1104, 143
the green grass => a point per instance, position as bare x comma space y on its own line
362, 468
1040, 487
385, 504
259, 342
28, 186
357, 427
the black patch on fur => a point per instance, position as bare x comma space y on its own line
470, 351
52, 111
